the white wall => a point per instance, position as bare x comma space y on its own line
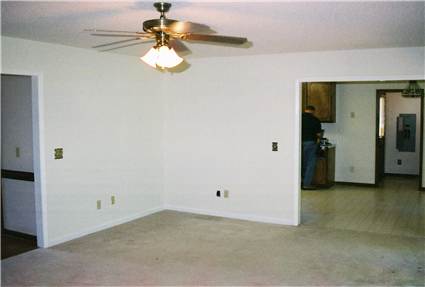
220, 118
106, 112
16, 132
223, 113
16, 121
19, 206
396, 105
355, 137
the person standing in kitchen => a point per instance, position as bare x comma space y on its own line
311, 132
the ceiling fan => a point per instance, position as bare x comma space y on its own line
168, 35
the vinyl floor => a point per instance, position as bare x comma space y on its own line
394, 208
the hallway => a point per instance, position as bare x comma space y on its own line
394, 208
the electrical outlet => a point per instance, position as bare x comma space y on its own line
98, 204
112, 199
18, 152
351, 168
225, 193
399, 162
218, 193
274, 146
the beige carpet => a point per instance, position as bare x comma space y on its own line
171, 248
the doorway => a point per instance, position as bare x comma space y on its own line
351, 203
399, 136
21, 181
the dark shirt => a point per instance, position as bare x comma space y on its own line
311, 127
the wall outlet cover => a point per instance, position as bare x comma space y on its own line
113, 199
225, 193
98, 204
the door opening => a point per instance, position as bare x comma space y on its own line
361, 169
22, 222
399, 135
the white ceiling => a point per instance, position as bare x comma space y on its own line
272, 27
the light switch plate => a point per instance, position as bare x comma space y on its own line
58, 153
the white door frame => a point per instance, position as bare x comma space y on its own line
297, 135
39, 158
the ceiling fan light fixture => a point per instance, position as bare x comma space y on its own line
168, 34
413, 90
163, 57
150, 57
167, 57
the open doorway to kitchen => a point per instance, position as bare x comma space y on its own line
21, 211
360, 193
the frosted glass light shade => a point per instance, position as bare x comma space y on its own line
150, 57
168, 58
163, 57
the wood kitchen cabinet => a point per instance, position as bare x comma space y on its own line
321, 95
325, 168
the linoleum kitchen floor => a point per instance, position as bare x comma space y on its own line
173, 248
396, 207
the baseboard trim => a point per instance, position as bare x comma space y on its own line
231, 215
356, 184
113, 223
107, 225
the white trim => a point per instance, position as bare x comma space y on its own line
361, 78
297, 154
39, 159
103, 226
231, 215
297, 135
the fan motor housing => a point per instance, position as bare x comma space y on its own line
157, 25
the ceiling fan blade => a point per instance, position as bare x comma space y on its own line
214, 38
128, 45
121, 35
116, 42
112, 31
179, 46
189, 27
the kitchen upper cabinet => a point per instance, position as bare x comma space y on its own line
321, 95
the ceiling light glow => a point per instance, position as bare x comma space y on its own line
163, 57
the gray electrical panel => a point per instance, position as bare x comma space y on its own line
406, 132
